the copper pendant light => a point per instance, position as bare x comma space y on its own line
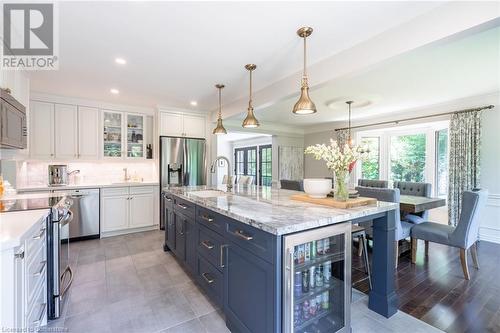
304, 105
250, 121
219, 129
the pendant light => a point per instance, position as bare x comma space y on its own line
304, 105
349, 140
219, 129
250, 121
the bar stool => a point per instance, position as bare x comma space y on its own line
360, 233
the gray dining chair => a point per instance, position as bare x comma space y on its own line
463, 236
296, 185
403, 228
373, 183
419, 190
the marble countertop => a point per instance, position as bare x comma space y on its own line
15, 226
84, 185
272, 210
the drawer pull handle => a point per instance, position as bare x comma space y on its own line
38, 322
40, 234
207, 278
222, 255
242, 235
182, 206
168, 199
40, 270
207, 218
207, 244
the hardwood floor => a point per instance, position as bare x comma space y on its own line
435, 291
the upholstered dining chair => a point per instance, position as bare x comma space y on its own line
296, 185
403, 228
373, 183
419, 190
463, 236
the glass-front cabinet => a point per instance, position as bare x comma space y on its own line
123, 135
317, 280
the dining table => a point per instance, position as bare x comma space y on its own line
415, 204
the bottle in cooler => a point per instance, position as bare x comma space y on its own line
319, 276
313, 250
307, 252
297, 283
319, 298
305, 310
300, 254
297, 314
319, 247
313, 307
312, 277
325, 300
326, 245
305, 281
327, 271
296, 254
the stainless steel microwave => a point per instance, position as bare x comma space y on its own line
13, 130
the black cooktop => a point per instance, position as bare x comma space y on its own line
14, 205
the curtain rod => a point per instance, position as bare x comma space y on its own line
416, 118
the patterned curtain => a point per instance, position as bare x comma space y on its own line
465, 144
342, 137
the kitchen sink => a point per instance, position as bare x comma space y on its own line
209, 193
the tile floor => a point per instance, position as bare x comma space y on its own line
128, 284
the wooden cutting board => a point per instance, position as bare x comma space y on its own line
350, 203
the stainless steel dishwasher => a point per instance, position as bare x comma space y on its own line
85, 209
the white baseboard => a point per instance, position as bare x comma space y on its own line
489, 229
128, 231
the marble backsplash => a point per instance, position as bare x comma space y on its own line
35, 173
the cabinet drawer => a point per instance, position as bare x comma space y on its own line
254, 240
211, 220
37, 239
211, 280
210, 246
184, 207
35, 272
141, 189
37, 310
106, 192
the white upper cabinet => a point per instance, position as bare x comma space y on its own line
179, 124
123, 135
41, 132
66, 131
88, 133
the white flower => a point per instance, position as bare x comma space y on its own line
337, 159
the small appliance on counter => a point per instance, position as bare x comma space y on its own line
58, 174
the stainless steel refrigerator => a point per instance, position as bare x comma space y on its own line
183, 162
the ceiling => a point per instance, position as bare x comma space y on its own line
177, 51
437, 73
236, 136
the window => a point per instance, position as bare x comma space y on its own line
245, 160
408, 158
442, 163
370, 168
265, 165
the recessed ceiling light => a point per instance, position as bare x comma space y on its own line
193, 103
114, 91
120, 61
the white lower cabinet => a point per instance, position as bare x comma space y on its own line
128, 209
23, 305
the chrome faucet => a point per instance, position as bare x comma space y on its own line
229, 177
126, 177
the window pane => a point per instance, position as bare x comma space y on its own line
370, 169
442, 162
408, 158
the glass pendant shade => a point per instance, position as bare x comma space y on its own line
219, 129
250, 120
304, 105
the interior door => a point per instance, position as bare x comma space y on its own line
66, 131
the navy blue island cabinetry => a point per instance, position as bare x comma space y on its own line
293, 278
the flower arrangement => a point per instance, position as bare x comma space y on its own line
340, 161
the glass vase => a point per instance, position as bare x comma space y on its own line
341, 185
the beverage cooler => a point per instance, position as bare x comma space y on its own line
317, 280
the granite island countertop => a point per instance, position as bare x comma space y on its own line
272, 210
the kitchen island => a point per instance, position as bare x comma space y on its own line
241, 247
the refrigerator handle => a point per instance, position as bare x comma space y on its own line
185, 164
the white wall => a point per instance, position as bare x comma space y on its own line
490, 175
314, 168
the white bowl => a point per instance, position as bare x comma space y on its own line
317, 187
